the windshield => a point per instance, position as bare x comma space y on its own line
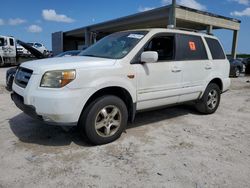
115, 46
1, 41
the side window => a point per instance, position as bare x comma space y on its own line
11, 42
1, 41
190, 47
164, 45
215, 48
38, 45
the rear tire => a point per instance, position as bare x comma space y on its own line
104, 120
210, 100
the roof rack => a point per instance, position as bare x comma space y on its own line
191, 30
187, 29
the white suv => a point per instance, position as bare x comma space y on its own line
125, 72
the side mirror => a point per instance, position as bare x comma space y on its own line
149, 57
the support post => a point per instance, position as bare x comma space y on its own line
87, 37
57, 43
235, 43
209, 29
172, 15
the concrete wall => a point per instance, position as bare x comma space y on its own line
57, 42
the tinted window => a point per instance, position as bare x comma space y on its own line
1, 41
11, 42
215, 49
164, 45
190, 47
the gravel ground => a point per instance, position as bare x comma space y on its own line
173, 147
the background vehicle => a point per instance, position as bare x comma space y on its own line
236, 67
40, 47
247, 64
102, 89
21, 51
7, 50
11, 49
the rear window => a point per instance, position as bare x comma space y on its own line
215, 48
190, 47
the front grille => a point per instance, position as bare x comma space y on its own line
22, 77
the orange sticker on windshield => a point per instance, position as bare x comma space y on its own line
192, 46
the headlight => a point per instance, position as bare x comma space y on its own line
58, 78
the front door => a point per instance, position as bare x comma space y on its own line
159, 83
11, 47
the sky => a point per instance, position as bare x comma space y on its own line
36, 20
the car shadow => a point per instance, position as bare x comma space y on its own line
32, 131
162, 114
29, 130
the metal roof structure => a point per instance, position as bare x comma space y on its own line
179, 16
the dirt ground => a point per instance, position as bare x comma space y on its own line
173, 147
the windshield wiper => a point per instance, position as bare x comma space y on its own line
90, 55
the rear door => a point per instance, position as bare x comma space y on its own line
220, 63
196, 67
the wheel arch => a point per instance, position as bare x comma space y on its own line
217, 81
120, 92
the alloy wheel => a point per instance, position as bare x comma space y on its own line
212, 99
108, 121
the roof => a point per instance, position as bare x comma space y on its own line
186, 18
178, 31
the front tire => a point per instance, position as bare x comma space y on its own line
210, 100
104, 120
237, 72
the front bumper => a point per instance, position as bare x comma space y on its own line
27, 109
61, 106
32, 112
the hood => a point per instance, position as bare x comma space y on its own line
61, 63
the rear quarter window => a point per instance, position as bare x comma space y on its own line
215, 48
190, 47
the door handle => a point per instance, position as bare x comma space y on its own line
208, 67
175, 69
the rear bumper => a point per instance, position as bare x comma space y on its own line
226, 84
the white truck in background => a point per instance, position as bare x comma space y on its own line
8, 51
11, 49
